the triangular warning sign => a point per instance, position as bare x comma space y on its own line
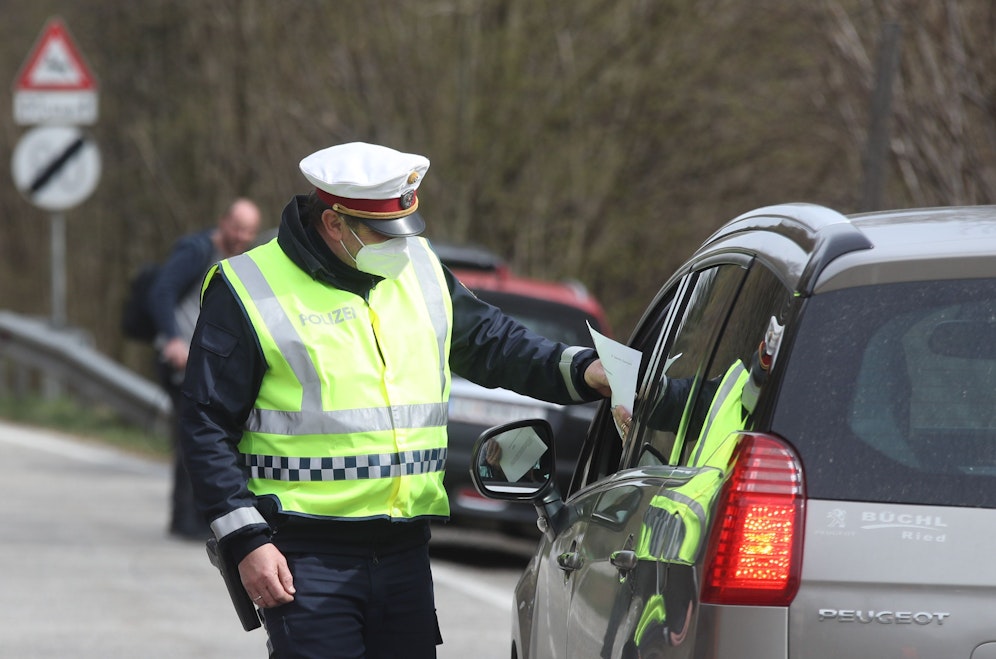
55, 64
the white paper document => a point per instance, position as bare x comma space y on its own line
520, 449
622, 365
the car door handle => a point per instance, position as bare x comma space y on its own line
569, 561
624, 559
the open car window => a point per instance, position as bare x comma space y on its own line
600, 456
665, 404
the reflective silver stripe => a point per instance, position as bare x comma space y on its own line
368, 419
347, 468
566, 359
669, 532
686, 500
284, 332
432, 293
726, 388
235, 520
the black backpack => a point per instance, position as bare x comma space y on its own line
136, 320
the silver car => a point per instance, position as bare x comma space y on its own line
810, 466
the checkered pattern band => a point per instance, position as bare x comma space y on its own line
384, 465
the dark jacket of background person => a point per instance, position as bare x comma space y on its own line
175, 295
174, 303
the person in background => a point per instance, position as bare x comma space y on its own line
316, 406
174, 303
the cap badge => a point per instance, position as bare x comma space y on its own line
407, 199
412, 178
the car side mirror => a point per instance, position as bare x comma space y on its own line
514, 461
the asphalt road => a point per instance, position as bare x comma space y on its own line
89, 572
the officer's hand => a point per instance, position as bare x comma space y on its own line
595, 377
266, 577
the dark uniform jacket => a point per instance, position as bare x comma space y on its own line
226, 366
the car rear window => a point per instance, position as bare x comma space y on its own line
890, 393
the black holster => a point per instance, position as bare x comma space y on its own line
248, 613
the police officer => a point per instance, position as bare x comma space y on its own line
315, 421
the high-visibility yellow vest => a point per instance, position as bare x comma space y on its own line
350, 420
726, 415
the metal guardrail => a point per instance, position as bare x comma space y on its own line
37, 355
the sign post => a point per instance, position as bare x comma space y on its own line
55, 165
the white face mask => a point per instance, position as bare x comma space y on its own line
387, 259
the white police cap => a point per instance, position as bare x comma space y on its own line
375, 184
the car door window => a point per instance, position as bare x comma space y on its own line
663, 403
724, 317
688, 341
602, 448
762, 298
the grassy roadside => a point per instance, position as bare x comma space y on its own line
91, 423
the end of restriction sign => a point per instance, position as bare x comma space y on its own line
56, 167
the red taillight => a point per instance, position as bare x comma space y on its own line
755, 547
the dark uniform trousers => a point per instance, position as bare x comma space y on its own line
352, 607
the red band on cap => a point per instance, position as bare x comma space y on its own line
383, 208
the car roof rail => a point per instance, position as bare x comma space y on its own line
822, 233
